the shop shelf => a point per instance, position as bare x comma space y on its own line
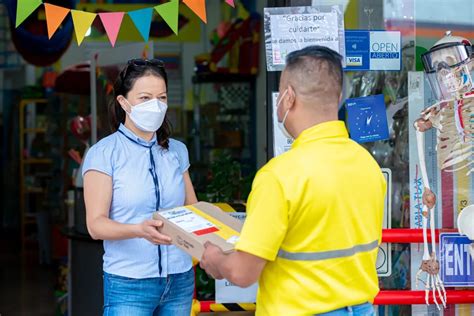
30, 161
30, 221
35, 190
34, 130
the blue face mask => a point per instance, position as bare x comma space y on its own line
281, 125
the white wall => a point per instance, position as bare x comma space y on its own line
445, 12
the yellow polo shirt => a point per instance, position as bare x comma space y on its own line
315, 213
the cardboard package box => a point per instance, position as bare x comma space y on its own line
190, 227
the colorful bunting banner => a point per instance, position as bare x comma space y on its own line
170, 13
198, 7
142, 20
24, 8
112, 22
82, 22
55, 15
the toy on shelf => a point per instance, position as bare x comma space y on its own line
240, 41
81, 128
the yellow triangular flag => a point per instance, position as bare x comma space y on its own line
82, 22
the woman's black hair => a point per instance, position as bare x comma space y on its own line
128, 76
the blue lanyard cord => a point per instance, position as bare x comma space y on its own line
155, 180
152, 170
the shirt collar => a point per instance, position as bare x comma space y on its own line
321, 131
139, 140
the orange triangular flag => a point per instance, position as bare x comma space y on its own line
198, 7
54, 17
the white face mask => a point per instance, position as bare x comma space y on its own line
281, 125
148, 116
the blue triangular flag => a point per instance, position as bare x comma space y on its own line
142, 20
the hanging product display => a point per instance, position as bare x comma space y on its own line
31, 38
240, 42
447, 65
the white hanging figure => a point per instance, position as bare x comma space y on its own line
448, 65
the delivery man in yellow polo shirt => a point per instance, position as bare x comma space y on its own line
314, 218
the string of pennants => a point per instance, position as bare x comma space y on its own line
111, 21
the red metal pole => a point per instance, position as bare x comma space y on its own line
392, 297
407, 235
418, 297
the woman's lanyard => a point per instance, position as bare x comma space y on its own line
152, 170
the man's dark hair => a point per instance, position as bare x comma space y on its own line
318, 69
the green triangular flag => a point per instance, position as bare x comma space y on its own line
170, 12
24, 8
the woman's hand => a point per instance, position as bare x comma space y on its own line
148, 229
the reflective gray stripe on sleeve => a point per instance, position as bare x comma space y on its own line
323, 255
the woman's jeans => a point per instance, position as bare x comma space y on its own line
169, 296
365, 309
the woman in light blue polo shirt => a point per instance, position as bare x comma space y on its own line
127, 176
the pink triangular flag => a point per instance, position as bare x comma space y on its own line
112, 22
231, 3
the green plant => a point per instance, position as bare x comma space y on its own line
226, 183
